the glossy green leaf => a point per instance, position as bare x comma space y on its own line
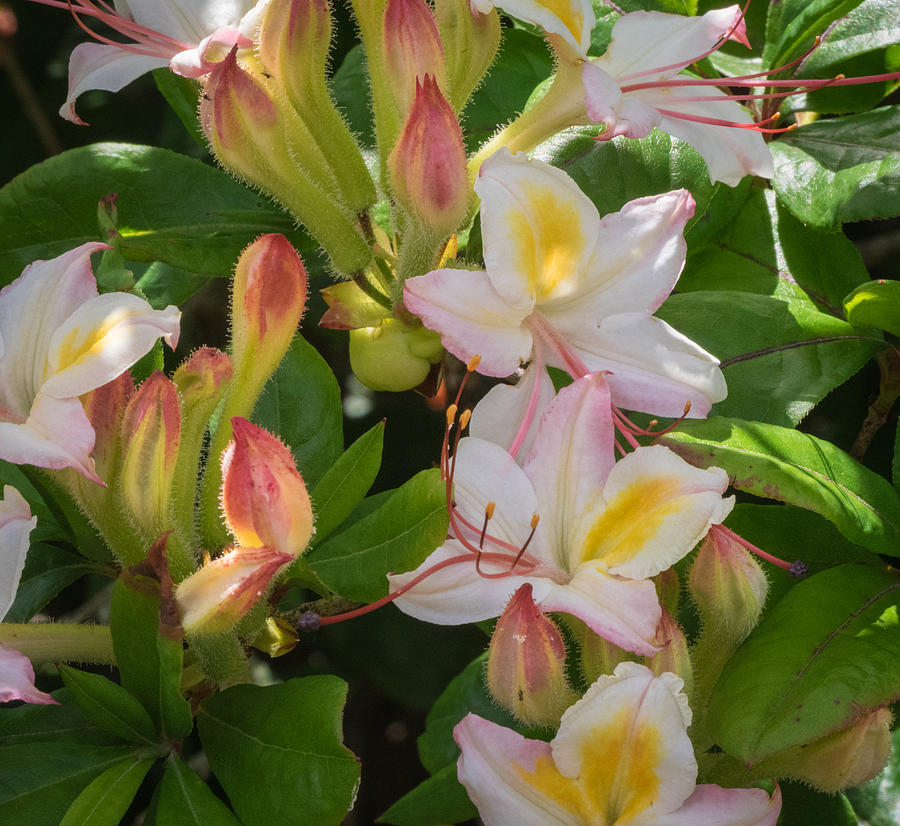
63, 723
185, 800
837, 639
302, 404
803, 806
779, 358
841, 169
792, 26
183, 95
611, 173
109, 706
164, 285
875, 304
278, 753
764, 249
522, 63
347, 481
439, 799
671, 6
47, 571
150, 664
39, 781
793, 467
171, 208
106, 798
394, 538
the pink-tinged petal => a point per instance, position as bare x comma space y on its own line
502, 411
16, 525
645, 40
653, 368
17, 679
620, 114
496, 767
202, 58
570, 460
712, 806
570, 19
102, 339
658, 507
539, 229
57, 434
98, 66
31, 309
625, 612
626, 740
471, 317
189, 20
638, 257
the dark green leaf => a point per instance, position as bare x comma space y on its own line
396, 537
47, 571
171, 208
347, 481
106, 798
63, 723
803, 806
842, 169
278, 753
837, 639
792, 26
611, 173
875, 304
164, 285
439, 799
109, 706
783, 464
766, 250
671, 6
350, 90
38, 781
183, 95
302, 404
150, 664
185, 800
779, 359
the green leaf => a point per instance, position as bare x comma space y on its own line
302, 404
792, 26
803, 806
47, 571
350, 91
611, 173
347, 481
278, 753
523, 62
841, 169
779, 359
164, 285
837, 640
876, 304
171, 208
183, 95
38, 781
150, 664
106, 798
109, 706
396, 537
63, 723
764, 249
439, 799
793, 467
185, 800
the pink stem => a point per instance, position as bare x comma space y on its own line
752, 548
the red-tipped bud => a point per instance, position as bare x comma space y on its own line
104, 407
412, 48
428, 163
393, 355
151, 433
674, 656
526, 671
219, 595
263, 496
203, 377
294, 39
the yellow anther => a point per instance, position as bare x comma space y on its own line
464, 419
451, 415
840, 76
687, 408
535, 518
472, 366
489, 510
652, 423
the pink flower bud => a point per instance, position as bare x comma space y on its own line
428, 163
217, 596
470, 42
104, 407
151, 433
412, 48
294, 41
674, 656
263, 495
203, 377
526, 670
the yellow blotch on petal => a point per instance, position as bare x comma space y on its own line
549, 239
631, 519
569, 15
78, 344
618, 778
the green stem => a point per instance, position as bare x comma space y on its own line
59, 642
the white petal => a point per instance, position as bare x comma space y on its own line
570, 19
17, 679
620, 114
16, 525
713, 806
189, 20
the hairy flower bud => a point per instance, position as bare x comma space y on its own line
393, 355
219, 595
412, 48
264, 497
151, 433
428, 163
526, 671
674, 656
104, 407
470, 43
